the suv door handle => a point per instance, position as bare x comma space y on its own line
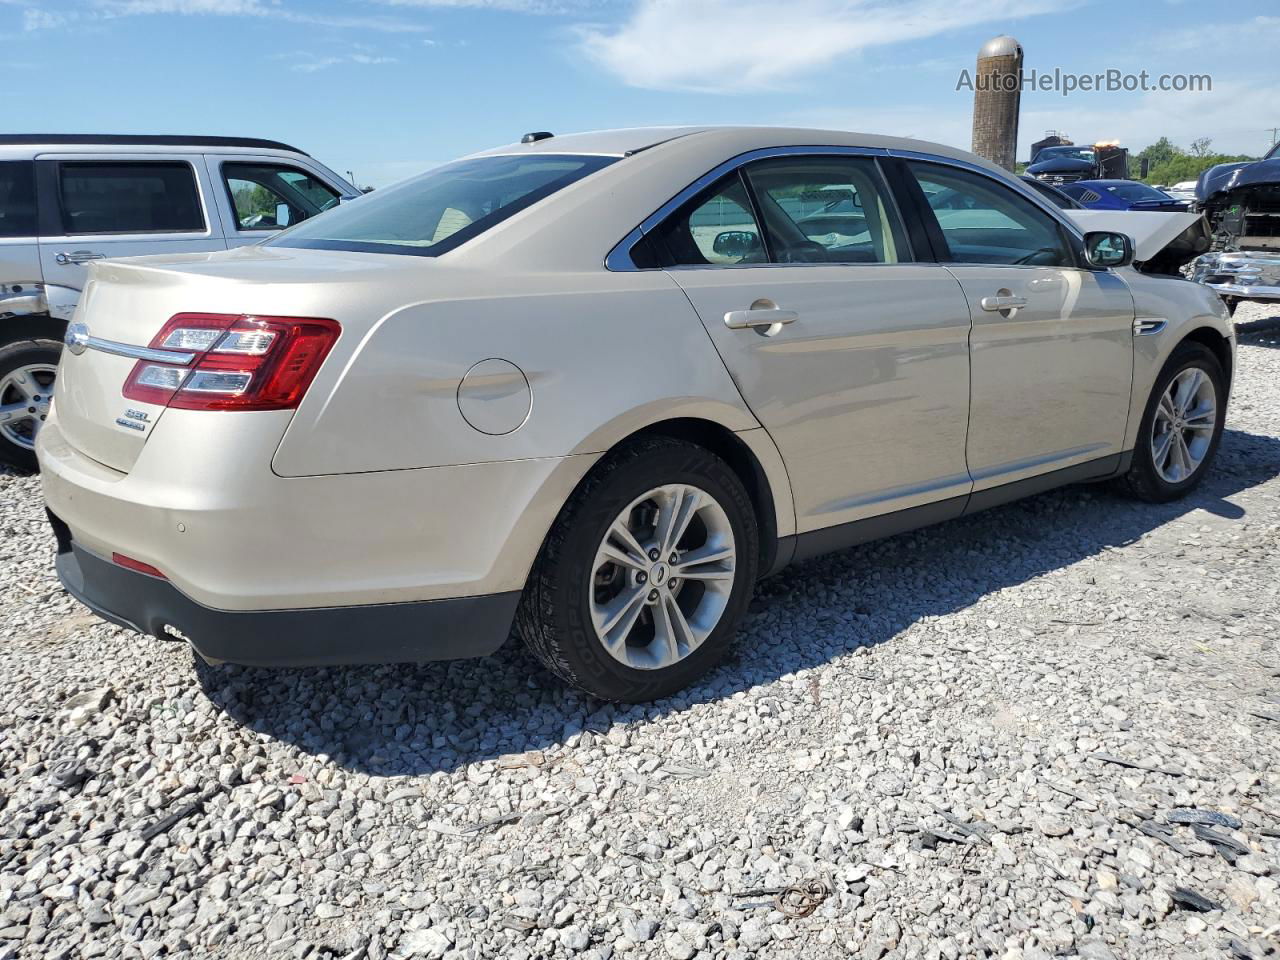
1004, 302
78, 256
759, 316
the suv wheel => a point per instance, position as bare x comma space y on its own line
1181, 427
27, 371
646, 574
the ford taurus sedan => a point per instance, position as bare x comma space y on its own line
593, 387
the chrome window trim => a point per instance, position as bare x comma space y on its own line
619, 258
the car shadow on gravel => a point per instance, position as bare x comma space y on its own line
421, 719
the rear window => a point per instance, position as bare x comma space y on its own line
1136, 191
17, 198
127, 197
440, 210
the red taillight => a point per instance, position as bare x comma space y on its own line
241, 362
120, 560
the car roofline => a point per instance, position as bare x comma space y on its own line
140, 140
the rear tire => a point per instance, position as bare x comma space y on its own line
26, 383
1178, 438
674, 620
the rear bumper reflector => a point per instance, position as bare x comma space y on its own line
120, 560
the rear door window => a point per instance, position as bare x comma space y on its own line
715, 228
17, 198
826, 210
128, 197
268, 196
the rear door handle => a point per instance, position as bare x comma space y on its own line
1005, 302
758, 317
78, 256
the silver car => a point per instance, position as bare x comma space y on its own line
594, 387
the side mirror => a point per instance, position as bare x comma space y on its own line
734, 243
1105, 249
282, 214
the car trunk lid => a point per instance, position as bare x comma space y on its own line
116, 316
127, 303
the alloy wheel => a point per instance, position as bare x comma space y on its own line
1185, 420
25, 396
662, 576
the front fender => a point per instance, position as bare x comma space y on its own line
1185, 307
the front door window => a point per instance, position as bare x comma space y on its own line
269, 196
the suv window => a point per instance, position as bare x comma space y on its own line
129, 197
443, 209
17, 198
268, 196
825, 210
985, 222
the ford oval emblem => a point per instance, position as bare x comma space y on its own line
77, 338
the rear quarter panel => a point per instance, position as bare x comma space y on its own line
604, 354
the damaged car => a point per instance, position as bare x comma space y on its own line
1165, 242
1241, 203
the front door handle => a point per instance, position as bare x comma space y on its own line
1003, 302
78, 256
763, 313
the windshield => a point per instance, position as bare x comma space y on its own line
1070, 153
1136, 191
440, 210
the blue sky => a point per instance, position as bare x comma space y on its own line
393, 87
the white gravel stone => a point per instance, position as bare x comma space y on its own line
915, 723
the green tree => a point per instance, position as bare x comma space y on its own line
1169, 163
1162, 151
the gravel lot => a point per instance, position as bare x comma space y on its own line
918, 724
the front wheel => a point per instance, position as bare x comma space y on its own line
1181, 427
27, 371
646, 574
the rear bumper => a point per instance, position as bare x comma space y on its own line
372, 633
202, 506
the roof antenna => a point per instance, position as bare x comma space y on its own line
536, 136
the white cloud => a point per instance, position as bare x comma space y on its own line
224, 8
308, 64
33, 19
1228, 114
734, 46
520, 6
1204, 36
273, 9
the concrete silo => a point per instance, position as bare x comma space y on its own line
997, 94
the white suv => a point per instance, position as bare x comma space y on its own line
66, 201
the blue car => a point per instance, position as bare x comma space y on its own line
1122, 195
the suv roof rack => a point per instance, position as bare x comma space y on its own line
132, 139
